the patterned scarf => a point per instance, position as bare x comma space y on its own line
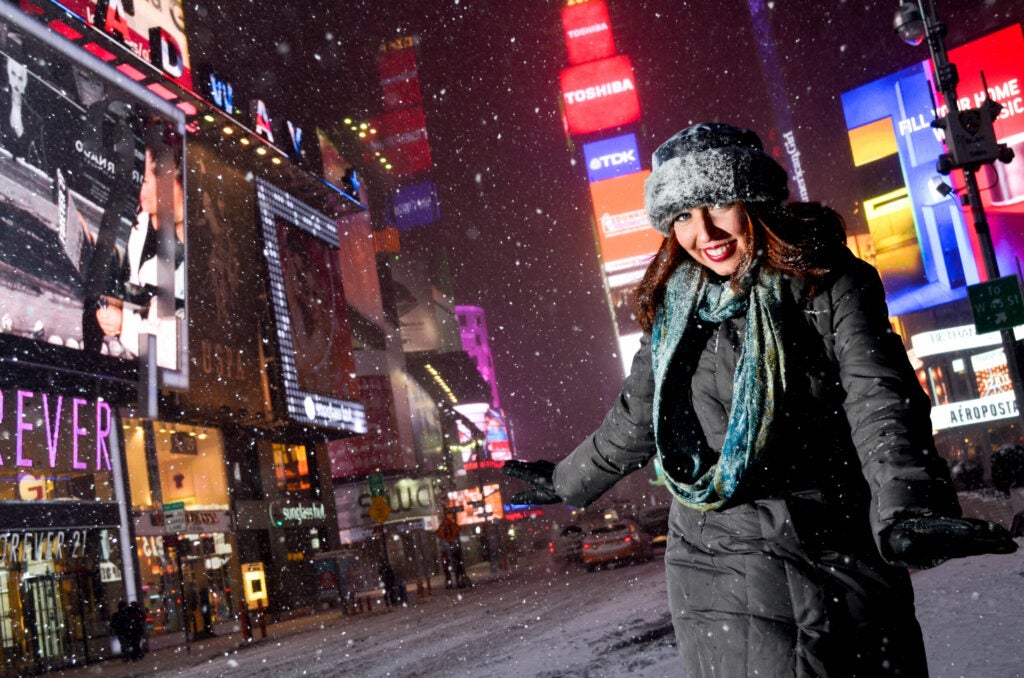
695, 474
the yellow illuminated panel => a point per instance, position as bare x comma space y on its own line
873, 141
897, 252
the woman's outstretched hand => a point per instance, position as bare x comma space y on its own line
930, 540
537, 473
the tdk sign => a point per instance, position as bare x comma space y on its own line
611, 158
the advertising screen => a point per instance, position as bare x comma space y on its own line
90, 170
920, 240
415, 205
405, 141
610, 158
624, 232
588, 31
479, 504
225, 347
600, 95
379, 449
399, 80
153, 31
317, 364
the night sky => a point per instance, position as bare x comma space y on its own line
514, 200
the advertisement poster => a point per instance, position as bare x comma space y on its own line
315, 345
85, 263
921, 240
153, 30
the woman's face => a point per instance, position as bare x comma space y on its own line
717, 236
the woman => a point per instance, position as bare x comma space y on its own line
790, 426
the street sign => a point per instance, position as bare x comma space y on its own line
996, 304
376, 483
175, 519
379, 509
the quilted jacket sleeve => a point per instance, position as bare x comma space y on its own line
887, 410
622, 444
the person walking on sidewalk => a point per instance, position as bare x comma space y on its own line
789, 423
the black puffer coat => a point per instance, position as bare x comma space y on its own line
788, 578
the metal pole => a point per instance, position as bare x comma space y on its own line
946, 77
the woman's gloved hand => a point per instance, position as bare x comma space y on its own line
928, 541
537, 473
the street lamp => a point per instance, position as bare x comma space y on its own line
971, 142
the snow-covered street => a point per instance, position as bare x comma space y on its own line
569, 622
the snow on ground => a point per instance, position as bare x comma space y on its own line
555, 623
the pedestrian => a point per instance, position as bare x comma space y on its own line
136, 631
120, 625
789, 423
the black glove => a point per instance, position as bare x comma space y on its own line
537, 473
930, 540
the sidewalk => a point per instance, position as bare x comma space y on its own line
202, 650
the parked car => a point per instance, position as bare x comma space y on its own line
566, 543
654, 521
614, 541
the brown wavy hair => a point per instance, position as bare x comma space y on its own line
799, 239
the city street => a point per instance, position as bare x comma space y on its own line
541, 622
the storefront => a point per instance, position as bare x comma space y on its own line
190, 572
62, 570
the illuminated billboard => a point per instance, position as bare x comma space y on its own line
90, 167
153, 31
415, 205
405, 141
625, 236
610, 158
478, 504
588, 31
399, 79
315, 345
919, 239
599, 95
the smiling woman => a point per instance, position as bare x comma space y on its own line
790, 426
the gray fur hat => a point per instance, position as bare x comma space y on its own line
709, 163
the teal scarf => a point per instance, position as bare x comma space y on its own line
695, 474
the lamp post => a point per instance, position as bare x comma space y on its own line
971, 142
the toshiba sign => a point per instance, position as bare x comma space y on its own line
588, 31
600, 95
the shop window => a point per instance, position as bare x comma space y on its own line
291, 467
991, 373
189, 465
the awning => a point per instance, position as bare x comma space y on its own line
450, 378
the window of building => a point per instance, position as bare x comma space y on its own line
291, 467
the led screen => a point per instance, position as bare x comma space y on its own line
399, 80
479, 504
919, 239
153, 31
88, 271
405, 141
317, 364
624, 232
610, 158
588, 31
600, 95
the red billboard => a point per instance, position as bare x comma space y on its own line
600, 95
399, 80
153, 31
405, 141
588, 31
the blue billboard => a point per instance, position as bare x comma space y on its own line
610, 158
